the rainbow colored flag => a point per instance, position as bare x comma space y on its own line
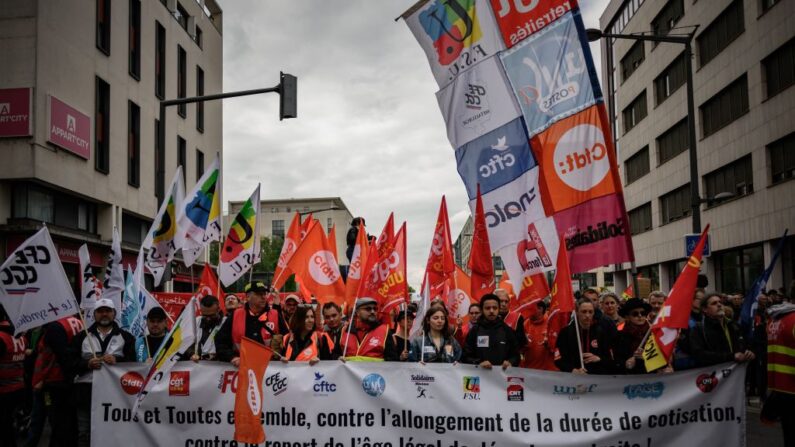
160, 242
241, 248
199, 215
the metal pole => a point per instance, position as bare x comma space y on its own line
161, 149
695, 197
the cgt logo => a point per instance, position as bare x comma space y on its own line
471, 387
581, 157
131, 383
323, 268
179, 383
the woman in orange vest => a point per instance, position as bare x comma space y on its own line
305, 343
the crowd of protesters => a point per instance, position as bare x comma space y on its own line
46, 374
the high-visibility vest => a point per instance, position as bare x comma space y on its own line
371, 347
240, 316
12, 368
311, 351
46, 368
781, 354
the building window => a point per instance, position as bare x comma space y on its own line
675, 205
103, 26
135, 39
329, 224
182, 79
667, 18
182, 156
782, 159
102, 126
53, 207
726, 106
160, 165
608, 279
779, 68
672, 142
764, 5
635, 112
738, 269
133, 229
199, 37
736, 177
637, 165
640, 219
632, 60
160, 61
200, 104
277, 229
199, 164
721, 32
181, 15
652, 273
133, 144
669, 81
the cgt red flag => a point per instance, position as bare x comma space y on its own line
254, 359
480, 262
534, 289
561, 304
208, 285
440, 270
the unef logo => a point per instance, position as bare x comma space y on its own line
471, 387
453, 27
323, 268
581, 157
179, 383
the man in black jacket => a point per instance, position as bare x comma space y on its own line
491, 342
715, 339
596, 341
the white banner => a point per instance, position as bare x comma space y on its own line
406, 404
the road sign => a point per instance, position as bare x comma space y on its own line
691, 240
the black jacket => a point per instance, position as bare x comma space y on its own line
493, 341
597, 340
225, 346
714, 341
624, 351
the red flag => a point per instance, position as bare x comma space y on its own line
561, 304
386, 240
675, 313
459, 298
306, 224
627, 293
291, 241
534, 289
332, 242
316, 267
208, 285
505, 284
480, 262
254, 359
440, 269
386, 280
358, 263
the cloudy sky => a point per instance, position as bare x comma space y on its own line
368, 129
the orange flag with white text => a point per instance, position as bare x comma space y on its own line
254, 359
316, 267
291, 241
358, 263
480, 260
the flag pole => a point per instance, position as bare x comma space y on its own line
196, 342
85, 328
350, 325
579, 342
406, 330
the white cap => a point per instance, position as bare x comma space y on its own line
104, 302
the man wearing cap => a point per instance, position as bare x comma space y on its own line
290, 305
147, 346
106, 343
207, 327
256, 320
369, 339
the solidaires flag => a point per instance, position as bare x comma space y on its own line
161, 241
199, 215
242, 248
675, 313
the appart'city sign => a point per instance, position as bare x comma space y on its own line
15, 112
69, 128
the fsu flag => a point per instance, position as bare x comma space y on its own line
440, 269
254, 359
358, 262
562, 303
199, 216
317, 268
241, 249
480, 262
291, 241
675, 312
161, 241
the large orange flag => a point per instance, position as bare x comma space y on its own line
316, 267
562, 297
460, 298
440, 270
386, 240
332, 242
358, 262
675, 314
291, 241
254, 359
386, 279
480, 262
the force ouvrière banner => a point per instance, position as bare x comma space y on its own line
333, 404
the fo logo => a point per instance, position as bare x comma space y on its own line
323, 268
581, 159
131, 383
374, 384
179, 383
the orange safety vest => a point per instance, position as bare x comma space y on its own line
310, 351
781, 354
371, 345
46, 368
271, 320
12, 363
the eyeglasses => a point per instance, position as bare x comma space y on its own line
638, 314
368, 309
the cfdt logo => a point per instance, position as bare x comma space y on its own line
322, 387
277, 383
179, 383
374, 384
580, 158
644, 390
323, 268
452, 26
515, 389
131, 383
573, 392
471, 387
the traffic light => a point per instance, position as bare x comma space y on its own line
288, 96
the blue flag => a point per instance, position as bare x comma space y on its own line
752, 298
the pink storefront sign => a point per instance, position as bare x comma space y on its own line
69, 128
16, 119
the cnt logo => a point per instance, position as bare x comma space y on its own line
644, 390
179, 383
515, 389
573, 392
277, 383
374, 384
471, 387
323, 387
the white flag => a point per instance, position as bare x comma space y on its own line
425, 303
34, 289
114, 275
241, 248
160, 242
90, 286
199, 215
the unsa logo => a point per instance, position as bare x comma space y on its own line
323, 268
580, 157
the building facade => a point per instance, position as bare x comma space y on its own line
743, 71
79, 102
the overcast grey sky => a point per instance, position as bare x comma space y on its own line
368, 129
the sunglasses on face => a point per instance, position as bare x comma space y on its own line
638, 314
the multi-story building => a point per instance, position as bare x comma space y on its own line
743, 72
276, 214
79, 105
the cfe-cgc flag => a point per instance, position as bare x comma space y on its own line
199, 215
161, 241
241, 248
317, 267
675, 314
254, 359
34, 289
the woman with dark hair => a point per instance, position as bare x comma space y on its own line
629, 352
305, 343
436, 344
403, 322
